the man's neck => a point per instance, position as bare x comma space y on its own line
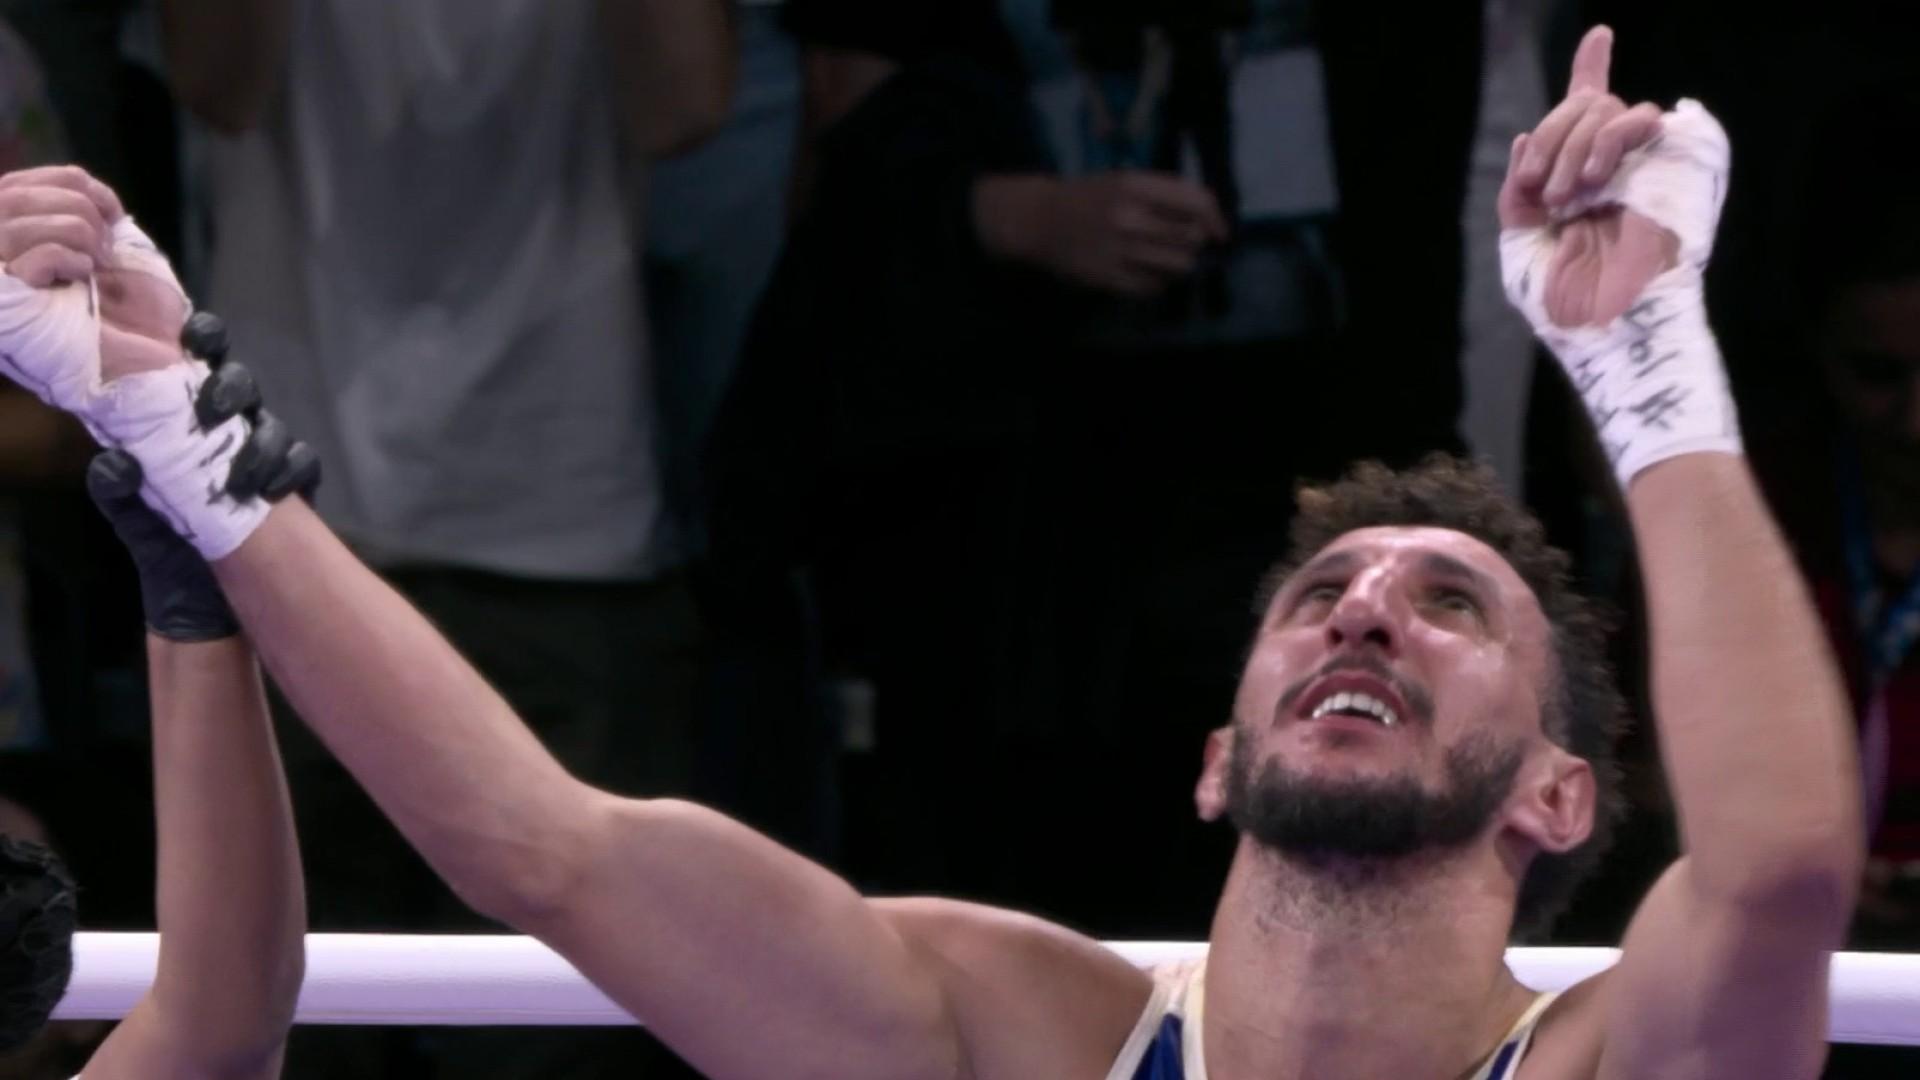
1356, 970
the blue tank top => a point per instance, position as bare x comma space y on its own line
1160, 1048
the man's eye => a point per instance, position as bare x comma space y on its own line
1456, 600
1324, 593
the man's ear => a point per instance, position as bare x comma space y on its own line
1554, 805
1210, 795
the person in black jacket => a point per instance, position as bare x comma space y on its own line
981, 385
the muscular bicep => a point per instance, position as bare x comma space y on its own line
745, 958
1707, 988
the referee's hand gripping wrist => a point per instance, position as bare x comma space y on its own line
181, 599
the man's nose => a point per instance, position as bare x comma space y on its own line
1364, 616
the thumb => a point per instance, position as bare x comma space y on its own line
113, 477
113, 482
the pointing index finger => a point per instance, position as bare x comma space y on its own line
1592, 62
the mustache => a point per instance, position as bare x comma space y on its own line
1412, 693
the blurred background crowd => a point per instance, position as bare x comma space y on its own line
871, 417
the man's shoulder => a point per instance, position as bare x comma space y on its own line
996, 943
1030, 997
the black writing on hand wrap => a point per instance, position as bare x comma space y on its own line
1649, 399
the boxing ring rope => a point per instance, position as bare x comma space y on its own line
503, 980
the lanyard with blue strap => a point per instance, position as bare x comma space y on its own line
1889, 629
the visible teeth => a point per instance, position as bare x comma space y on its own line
1362, 703
1375, 707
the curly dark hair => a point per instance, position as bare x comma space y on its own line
1585, 711
37, 917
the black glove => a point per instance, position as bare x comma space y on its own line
177, 589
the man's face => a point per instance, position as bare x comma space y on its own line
1392, 693
1870, 345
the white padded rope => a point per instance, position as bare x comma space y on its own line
502, 980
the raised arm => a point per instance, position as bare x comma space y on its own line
747, 959
743, 957
673, 66
232, 911
231, 901
1729, 955
227, 58
1724, 969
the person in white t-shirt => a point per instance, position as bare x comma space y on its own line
423, 239
423, 245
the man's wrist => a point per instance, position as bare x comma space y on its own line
187, 466
1011, 213
1689, 468
1653, 381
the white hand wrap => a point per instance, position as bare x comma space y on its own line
50, 344
1652, 380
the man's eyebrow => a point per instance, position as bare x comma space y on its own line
1447, 566
1337, 562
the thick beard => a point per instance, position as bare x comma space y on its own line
1373, 819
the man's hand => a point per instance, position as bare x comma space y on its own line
90, 322
182, 601
1605, 256
54, 224
60, 227
1128, 233
1607, 223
